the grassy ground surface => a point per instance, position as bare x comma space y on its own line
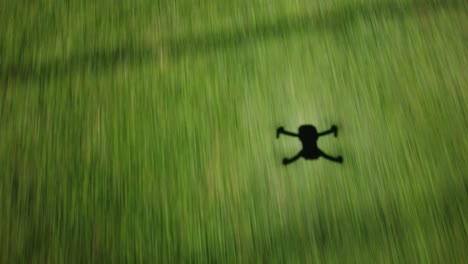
144, 131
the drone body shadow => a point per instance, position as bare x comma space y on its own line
308, 135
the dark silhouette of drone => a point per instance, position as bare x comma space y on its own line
309, 136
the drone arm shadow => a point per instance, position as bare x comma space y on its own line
330, 131
328, 157
287, 161
289, 133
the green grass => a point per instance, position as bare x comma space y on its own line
144, 131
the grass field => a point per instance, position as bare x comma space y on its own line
144, 131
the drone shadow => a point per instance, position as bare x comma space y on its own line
308, 135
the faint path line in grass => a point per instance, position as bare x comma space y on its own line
335, 20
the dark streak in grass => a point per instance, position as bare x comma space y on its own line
339, 20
